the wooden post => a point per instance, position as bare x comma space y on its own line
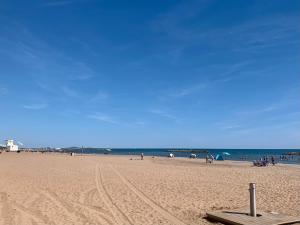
252, 199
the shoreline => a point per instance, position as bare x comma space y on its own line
200, 160
292, 163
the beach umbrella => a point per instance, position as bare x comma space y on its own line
219, 157
226, 153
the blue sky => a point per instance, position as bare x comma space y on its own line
218, 74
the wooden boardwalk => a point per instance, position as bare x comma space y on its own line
241, 217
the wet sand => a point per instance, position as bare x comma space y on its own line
59, 189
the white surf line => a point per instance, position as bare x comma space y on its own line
107, 200
149, 201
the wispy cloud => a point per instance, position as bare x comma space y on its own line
268, 128
3, 91
227, 125
57, 3
69, 92
281, 104
80, 71
172, 21
134, 123
99, 97
140, 123
186, 90
254, 35
35, 106
164, 113
230, 72
258, 111
47, 65
45, 86
102, 118
70, 112
105, 118
234, 70
180, 92
276, 115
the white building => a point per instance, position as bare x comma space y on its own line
11, 146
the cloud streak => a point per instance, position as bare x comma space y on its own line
69, 92
3, 91
102, 118
98, 97
228, 125
45, 64
277, 114
58, 3
232, 71
186, 91
35, 106
253, 36
164, 114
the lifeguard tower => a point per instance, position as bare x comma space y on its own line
10, 146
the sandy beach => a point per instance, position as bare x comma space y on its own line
59, 189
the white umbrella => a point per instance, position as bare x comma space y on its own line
226, 153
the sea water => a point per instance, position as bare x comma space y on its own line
235, 154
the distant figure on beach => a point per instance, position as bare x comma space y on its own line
206, 159
142, 156
193, 156
273, 160
212, 158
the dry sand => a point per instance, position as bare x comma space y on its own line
60, 189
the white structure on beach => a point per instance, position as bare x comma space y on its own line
11, 146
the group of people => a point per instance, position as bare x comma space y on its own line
285, 157
264, 161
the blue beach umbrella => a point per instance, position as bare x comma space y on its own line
219, 157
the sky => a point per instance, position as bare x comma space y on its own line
197, 74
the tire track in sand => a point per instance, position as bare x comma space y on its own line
67, 207
103, 217
119, 217
148, 200
90, 199
10, 208
87, 201
7, 213
36, 217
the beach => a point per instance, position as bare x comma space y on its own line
59, 189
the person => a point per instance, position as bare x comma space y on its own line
206, 159
142, 156
273, 160
212, 158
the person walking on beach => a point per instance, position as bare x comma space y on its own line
142, 156
273, 160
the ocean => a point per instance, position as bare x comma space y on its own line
235, 154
